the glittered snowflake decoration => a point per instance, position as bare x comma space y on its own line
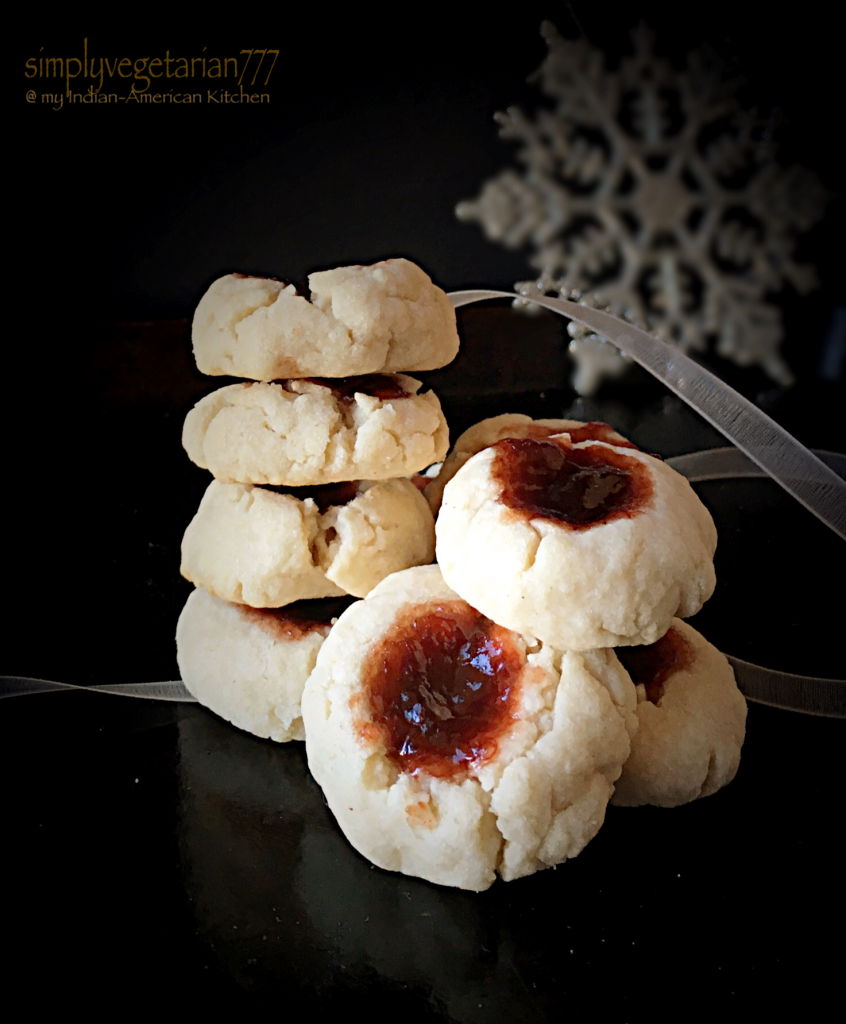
650, 192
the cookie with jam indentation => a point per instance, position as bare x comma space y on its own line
487, 432
453, 749
265, 547
582, 545
304, 433
250, 665
387, 317
692, 721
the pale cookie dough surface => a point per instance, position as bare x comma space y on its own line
510, 424
248, 666
534, 798
264, 549
382, 318
303, 433
611, 584
691, 726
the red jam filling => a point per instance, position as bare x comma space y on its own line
578, 487
441, 688
652, 664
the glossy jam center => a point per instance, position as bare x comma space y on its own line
579, 487
653, 664
441, 688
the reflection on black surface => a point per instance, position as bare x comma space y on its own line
161, 855
278, 892
281, 901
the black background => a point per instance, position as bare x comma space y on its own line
376, 128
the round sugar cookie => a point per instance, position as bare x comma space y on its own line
582, 545
250, 666
253, 545
692, 721
487, 432
304, 433
383, 318
452, 749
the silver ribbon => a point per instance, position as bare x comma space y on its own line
760, 438
729, 464
809, 694
18, 686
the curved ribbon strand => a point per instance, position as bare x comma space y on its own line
18, 686
808, 694
775, 450
732, 464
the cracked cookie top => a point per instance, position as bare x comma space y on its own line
453, 749
386, 317
312, 432
255, 545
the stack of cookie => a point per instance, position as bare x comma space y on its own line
474, 718
311, 457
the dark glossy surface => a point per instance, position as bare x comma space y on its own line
160, 852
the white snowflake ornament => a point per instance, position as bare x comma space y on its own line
652, 193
